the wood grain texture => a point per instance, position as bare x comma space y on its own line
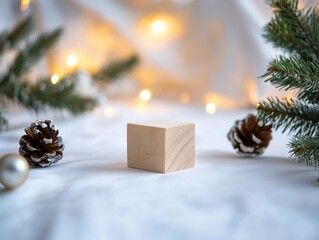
161, 146
179, 147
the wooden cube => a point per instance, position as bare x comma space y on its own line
161, 146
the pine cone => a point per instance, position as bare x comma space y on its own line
41, 145
250, 136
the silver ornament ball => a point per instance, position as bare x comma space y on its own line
14, 170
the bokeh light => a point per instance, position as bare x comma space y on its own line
108, 112
145, 95
71, 60
184, 98
210, 108
24, 5
158, 26
55, 78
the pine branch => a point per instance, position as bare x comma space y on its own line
280, 35
3, 122
28, 56
291, 116
43, 95
289, 73
116, 69
21, 30
305, 149
293, 30
62, 95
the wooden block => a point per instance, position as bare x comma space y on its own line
160, 145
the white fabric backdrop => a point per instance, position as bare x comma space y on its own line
91, 194
210, 46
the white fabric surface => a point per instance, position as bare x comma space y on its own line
91, 194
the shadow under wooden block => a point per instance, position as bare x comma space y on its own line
161, 146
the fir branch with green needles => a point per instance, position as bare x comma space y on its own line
296, 32
41, 95
293, 30
293, 116
28, 56
116, 69
305, 149
10, 39
289, 73
60, 96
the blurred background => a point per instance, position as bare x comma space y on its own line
208, 53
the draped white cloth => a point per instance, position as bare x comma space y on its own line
206, 45
91, 194
210, 46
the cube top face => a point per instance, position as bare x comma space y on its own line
161, 146
161, 123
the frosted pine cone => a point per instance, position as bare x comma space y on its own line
250, 136
41, 145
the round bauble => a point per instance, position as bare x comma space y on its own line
14, 170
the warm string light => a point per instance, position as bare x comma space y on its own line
24, 5
210, 108
108, 112
141, 102
158, 29
184, 98
145, 95
55, 79
258, 106
158, 26
71, 60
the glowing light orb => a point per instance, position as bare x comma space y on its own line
158, 26
108, 112
210, 108
184, 98
72, 60
55, 78
145, 95
24, 5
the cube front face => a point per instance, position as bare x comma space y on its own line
161, 149
146, 148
